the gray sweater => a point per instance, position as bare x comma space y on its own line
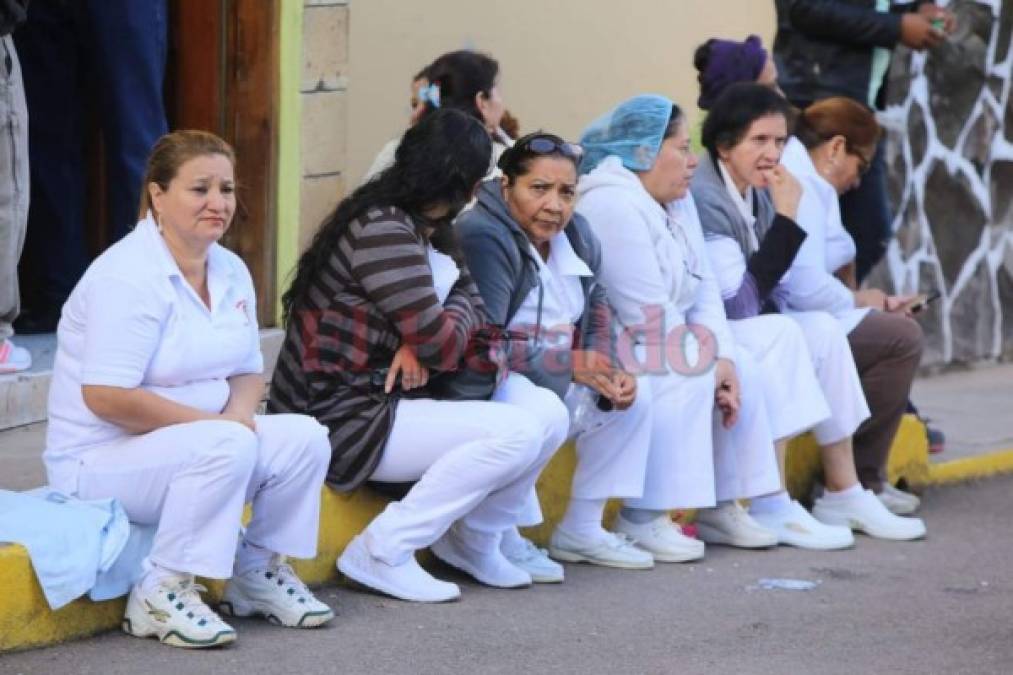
503, 267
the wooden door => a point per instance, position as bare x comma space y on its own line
222, 77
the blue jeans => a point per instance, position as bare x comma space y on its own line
112, 52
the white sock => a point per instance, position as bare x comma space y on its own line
583, 518
846, 493
641, 516
252, 557
772, 503
512, 541
154, 575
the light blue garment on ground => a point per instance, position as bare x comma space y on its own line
75, 546
632, 131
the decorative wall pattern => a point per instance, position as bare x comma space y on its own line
950, 151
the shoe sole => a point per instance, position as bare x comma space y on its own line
307, 620
449, 558
856, 526
674, 558
374, 584
712, 535
546, 580
174, 638
821, 547
563, 555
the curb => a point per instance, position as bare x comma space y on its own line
26, 620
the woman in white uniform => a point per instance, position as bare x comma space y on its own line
748, 206
536, 264
672, 328
834, 139
153, 402
377, 303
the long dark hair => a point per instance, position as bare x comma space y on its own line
460, 76
439, 161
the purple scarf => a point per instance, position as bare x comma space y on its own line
729, 62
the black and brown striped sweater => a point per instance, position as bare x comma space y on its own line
375, 294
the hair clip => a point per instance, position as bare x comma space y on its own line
430, 94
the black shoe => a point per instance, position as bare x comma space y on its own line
34, 323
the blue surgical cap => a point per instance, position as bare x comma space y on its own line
633, 132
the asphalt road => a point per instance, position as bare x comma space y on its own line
944, 605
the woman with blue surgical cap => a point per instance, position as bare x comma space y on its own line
672, 326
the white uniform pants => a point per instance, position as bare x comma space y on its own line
193, 479
835, 369
793, 396
611, 452
693, 461
475, 461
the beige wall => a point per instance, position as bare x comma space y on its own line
562, 62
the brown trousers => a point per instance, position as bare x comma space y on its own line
887, 349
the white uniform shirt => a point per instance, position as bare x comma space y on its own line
563, 295
654, 262
133, 321
444, 270
828, 246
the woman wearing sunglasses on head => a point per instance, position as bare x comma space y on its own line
536, 265
748, 208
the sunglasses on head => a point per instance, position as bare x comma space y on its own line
541, 145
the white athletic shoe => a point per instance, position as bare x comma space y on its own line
897, 501
729, 524
176, 615
485, 563
535, 561
793, 526
662, 538
278, 595
609, 550
407, 581
865, 513
13, 359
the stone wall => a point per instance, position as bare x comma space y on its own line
324, 94
950, 152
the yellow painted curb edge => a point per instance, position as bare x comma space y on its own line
969, 468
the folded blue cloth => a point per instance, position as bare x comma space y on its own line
75, 546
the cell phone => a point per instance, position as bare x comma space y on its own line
923, 301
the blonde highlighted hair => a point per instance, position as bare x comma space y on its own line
173, 150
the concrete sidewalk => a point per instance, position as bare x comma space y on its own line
974, 408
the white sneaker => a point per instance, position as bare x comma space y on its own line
609, 550
407, 581
480, 557
897, 501
277, 594
794, 526
13, 359
865, 513
535, 561
662, 538
729, 524
176, 615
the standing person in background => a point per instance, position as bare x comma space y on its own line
123, 42
13, 187
842, 48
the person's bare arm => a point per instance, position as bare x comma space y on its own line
140, 411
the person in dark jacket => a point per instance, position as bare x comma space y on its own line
829, 48
536, 264
379, 298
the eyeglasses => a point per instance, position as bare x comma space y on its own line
864, 163
541, 145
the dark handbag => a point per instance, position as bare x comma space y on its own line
481, 370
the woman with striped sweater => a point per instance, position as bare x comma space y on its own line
379, 301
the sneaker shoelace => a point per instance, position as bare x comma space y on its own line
185, 598
285, 577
